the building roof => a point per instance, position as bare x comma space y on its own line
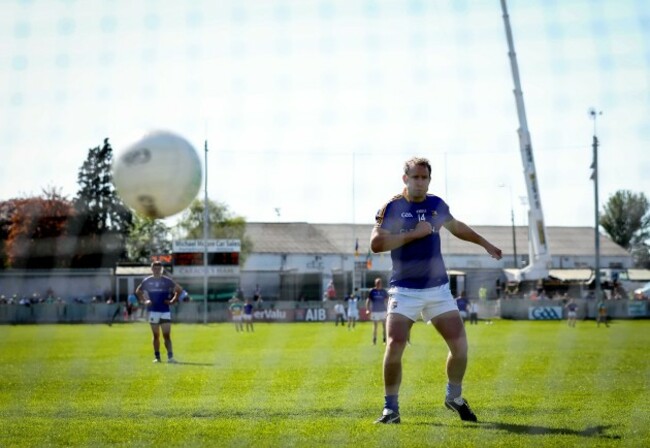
290, 237
306, 238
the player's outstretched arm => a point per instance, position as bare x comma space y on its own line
464, 232
382, 240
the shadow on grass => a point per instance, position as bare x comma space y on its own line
253, 414
185, 363
592, 431
534, 430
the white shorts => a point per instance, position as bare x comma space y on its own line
353, 314
463, 314
377, 316
247, 317
427, 303
237, 318
572, 314
155, 317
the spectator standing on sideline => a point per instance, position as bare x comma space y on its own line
409, 227
353, 309
482, 293
158, 292
257, 297
473, 312
116, 312
339, 309
376, 304
602, 313
133, 304
259, 303
331, 291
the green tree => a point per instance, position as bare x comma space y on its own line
223, 224
102, 221
641, 256
147, 237
626, 219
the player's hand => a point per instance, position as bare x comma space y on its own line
367, 311
423, 229
147, 302
494, 252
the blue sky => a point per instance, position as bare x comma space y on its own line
311, 107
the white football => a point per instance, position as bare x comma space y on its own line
158, 175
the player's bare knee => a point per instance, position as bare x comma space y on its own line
396, 344
457, 347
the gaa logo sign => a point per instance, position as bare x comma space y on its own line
545, 313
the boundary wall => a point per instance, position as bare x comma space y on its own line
194, 312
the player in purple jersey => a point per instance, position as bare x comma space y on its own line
463, 304
572, 312
158, 292
376, 303
247, 317
409, 227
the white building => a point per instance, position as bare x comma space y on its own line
294, 259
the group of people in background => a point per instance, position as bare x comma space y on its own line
467, 308
375, 305
242, 314
241, 309
571, 308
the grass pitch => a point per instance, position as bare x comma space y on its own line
313, 384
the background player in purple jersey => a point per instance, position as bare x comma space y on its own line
408, 226
158, 292
247, 317
572, 312
463, 304
376, 303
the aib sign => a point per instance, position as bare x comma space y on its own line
545, 313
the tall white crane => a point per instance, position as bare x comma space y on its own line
538, 250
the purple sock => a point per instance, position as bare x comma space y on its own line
390, 402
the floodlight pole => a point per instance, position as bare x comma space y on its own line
354, 230
205, 238
594, 176
512, 220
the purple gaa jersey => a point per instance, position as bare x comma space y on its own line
159, 290
417, 264
462, 303
378, 298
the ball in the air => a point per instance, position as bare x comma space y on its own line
158, 175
